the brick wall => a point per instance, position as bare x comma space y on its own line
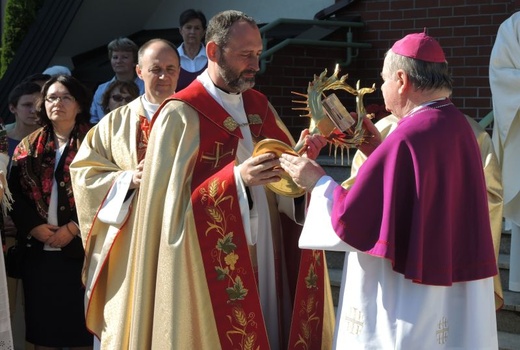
466, 29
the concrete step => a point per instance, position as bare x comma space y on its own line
508, 318
508, 341
337, 167
335, 259
505, 242
503, 269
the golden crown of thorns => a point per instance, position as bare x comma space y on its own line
328, 123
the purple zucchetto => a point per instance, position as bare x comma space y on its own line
420, 46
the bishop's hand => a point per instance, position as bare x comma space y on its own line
305, 172
371, 136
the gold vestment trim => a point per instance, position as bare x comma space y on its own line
231, 123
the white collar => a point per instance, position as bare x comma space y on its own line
149, 108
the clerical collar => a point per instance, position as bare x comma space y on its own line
423, 105
225, 91
217, 93
149, 108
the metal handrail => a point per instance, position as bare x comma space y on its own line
317, 22
349, 44
487, 120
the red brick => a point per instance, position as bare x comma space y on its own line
452, 21
439, 11
466, 30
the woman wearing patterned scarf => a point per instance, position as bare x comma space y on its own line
44, 213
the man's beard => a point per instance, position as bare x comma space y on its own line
235, 81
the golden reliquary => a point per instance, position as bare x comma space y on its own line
329, 117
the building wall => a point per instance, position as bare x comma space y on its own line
167, 13
465, 28
94, 25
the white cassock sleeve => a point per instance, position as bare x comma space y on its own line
318, 232
115, 208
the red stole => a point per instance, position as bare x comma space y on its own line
143, 134
225, 253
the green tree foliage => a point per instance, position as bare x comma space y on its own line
19, 15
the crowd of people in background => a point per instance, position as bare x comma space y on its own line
51, 112
76, 196
122, 53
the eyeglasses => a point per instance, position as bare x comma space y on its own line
65, 99
120, 98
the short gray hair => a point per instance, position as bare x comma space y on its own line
122, 44
220, 24
423, 75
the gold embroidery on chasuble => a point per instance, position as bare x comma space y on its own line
231, 124
217, 154
254, 119
308, 313
442, 331
230, 267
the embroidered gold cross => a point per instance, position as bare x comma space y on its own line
217, 154
231, 123
355, 321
